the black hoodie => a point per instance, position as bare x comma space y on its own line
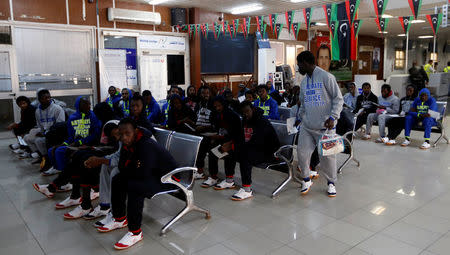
366, 103
27, 118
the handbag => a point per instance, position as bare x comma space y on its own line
330, 144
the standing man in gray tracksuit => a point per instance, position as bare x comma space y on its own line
321, 105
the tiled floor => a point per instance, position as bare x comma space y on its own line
398, 202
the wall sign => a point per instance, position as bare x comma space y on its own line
162, 42
113, 71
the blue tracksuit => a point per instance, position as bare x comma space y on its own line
153, 111
421, 108
270, 108
165, 113
125, 105
114, 100
84, 129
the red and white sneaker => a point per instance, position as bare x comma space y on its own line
77, 213
68, 202
128, 240
94, 195
43, 189
64, 188
113, 225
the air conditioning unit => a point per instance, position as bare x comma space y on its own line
132, 16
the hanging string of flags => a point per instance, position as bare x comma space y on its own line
341, 18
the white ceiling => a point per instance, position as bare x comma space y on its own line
366, 12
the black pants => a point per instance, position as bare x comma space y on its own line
361, 120
213, 165
20, 131
205, 146
248, 157
136, 191
395, 127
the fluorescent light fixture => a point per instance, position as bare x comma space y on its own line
384, 32
156, 2
417, 21
378, 210
425, 36
246, 8
411, 194
298, 1
320, 24
401, 35
386, 16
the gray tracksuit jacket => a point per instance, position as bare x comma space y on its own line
45, 118
320, 99
392, 104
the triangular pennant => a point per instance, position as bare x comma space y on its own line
243, 30
264, 30
334, 40
382, 24
333, 26
406, 23
215, 32
352, 7
327, 8
259, 23
296, 29
273, 21
435, 21
206, 28
357, 26
380, 6
289, 19
415, 7
224, 27
278, 28
236, 26
307, 14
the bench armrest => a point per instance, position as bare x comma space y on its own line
167, 178
280, 153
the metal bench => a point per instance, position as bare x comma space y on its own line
439, 128
184, 148
284, 112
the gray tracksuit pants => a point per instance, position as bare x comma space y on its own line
36, 144
106, 175
381, 118
307, 143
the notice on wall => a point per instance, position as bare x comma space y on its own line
113, 70
153, 73
162, 42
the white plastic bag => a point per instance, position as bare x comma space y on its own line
330, 144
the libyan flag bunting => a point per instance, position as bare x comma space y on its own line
289, 19
273, 21
406, 23
382, 24
415, 7
259, 23
307, 14
296, 29
435, 21
352, 8
380, 6
278, 28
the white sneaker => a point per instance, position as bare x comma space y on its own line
391, 142
68, 202
14, 146
306, 186
96, 213
425, 146
128, 240
43, 189
65, 188
224, 185
198, 176
113, 225
24, 155
77, 213
18, 151
104, 221
35, 155
50, 172
382, 140
331, 190
242, 195
406, 143
366, 137
209, 183
94, 195
313, 174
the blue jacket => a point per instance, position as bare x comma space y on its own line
83, 128
114, 100
153, 111
165, 113
270, 108
423, 107
125, 105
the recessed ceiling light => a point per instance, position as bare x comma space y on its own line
298, 1
425, 36
384, 32
156, 2
246, 8
417, 21
401, 35
386, 16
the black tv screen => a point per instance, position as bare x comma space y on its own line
227, 55
175, 69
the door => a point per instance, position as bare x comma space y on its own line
9, 112
153, 73
364, 62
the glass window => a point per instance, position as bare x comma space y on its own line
5, 72
5, 35
279, 51
6, 113
399, 60
291, 57
53, 59
129, 44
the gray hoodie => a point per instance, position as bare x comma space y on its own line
45, 118
320, 99
392, 103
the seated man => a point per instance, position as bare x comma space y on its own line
274, 93
181, 118
47, 114
138, 114
27, 121
114, 97
166, 107
388, 104
420, 112
258, 143
142, 163
365, 105
123, 109
151, 107
83, 128
267, 104
227, 125
250, 96
350, 97
396, 125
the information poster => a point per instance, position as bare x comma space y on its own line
153, 70
113, 71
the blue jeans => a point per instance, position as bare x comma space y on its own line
58, 157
